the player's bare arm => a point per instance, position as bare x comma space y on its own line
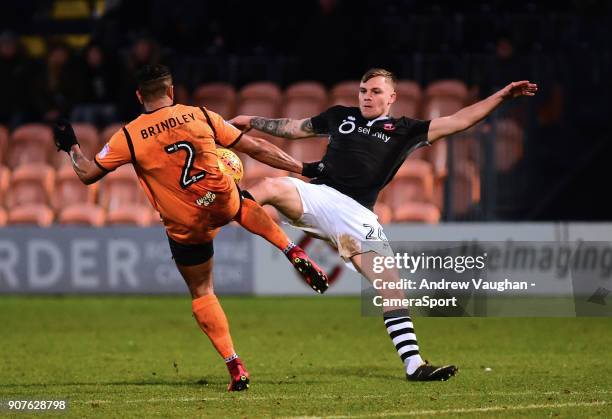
85, 169
471, 115
284, 127
266, 152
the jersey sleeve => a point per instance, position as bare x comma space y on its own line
417, 130
322, 122
226, 134
115, 153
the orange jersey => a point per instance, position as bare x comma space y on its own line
173, 152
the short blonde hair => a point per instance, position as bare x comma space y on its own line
376, 72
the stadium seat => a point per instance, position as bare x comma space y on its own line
417, 212
218, 97
3, 144
30, 143
70, 190
3, 217
508, 143
442, 98
120, 188
446, 97
259, 98
5, 177
107, 133
408, 99
82, 214
345, 93
308, 149
31, 214
89, 142
304, 100
413, 182
466, 188
130, 214
384, 212
30, 184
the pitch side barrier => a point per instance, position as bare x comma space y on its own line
448, 269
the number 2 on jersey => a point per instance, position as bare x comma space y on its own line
186, 179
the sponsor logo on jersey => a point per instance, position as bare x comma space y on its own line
104, 151
206, 200
389, 126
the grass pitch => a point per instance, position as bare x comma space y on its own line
145, 356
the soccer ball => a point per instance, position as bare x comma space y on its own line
230, 164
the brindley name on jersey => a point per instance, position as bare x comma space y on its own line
363, 154
348, 125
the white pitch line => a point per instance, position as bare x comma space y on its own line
473, 410
330, 396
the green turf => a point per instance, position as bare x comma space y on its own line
142, 356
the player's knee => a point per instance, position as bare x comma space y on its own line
269, 189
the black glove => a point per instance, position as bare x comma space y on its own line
314, 169
63, 134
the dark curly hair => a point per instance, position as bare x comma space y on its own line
153, 80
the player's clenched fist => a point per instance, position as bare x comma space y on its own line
63, 134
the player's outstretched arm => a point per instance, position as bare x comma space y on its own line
470, 115
85, 169
284, 127
266, 152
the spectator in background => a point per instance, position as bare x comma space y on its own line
98, 87
15, 68
143, 50
55, 87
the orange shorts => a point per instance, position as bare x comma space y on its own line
203, 222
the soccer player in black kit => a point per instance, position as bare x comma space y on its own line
366, 148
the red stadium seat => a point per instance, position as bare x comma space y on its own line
3, 143
384, 212
218, 97
108, 132
345, 93
259, 98
70, 190
466, 188
31, 214
82, 214
89, 142
5, 177
30, 143
3, 217
130, 214
304, 100
30, 184
120, 188
442, 98
413, 182
408, 101
508, 143
417, 212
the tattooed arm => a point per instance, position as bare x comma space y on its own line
85, 169
287, 128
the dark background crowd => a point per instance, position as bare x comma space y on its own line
563, 46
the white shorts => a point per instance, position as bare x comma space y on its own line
339, 219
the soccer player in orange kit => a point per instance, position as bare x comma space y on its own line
172, 148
